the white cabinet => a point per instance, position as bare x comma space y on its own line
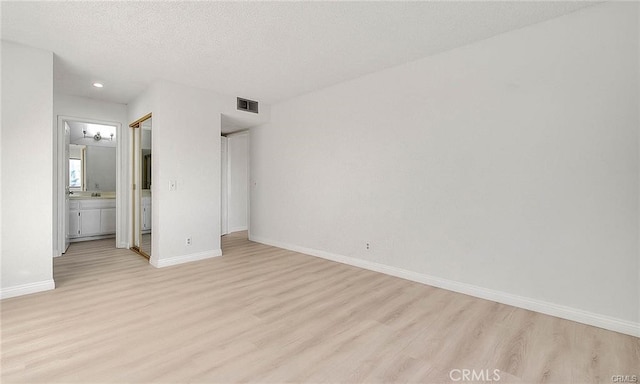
89, 222
146, 213
91, 217
84, 222
74, 223
108, 220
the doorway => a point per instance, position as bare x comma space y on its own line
88, 176
141, 171
235, 183
224, 173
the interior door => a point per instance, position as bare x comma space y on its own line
67, 140
137, 208
146, 197
141, 185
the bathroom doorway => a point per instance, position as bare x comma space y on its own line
88, 182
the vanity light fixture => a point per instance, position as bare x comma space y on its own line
98, 85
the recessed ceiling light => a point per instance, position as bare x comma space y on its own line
98, 85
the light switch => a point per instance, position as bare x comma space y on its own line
173, 185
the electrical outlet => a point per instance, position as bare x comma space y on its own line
367, 246
173, 185
188, 241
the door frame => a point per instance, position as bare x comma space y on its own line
224, 184
231, 136
59, 184
135, 134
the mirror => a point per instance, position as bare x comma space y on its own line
145, 185
92, 158
141, 171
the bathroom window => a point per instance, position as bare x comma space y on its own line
75, 175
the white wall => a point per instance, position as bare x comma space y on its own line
238, 179
507, 169
83, 108
75, 151
185, 148
100, 163
27, 220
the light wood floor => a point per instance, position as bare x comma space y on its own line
263, 314
145, 243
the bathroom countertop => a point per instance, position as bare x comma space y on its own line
91, 197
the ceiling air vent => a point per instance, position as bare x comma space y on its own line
247, 105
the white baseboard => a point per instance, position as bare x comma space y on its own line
26, 289
238, 229
186, 258
564, 312
91, 238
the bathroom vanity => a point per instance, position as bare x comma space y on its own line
91, 218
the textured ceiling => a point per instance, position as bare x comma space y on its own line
267, 51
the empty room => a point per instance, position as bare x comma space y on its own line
320, 192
